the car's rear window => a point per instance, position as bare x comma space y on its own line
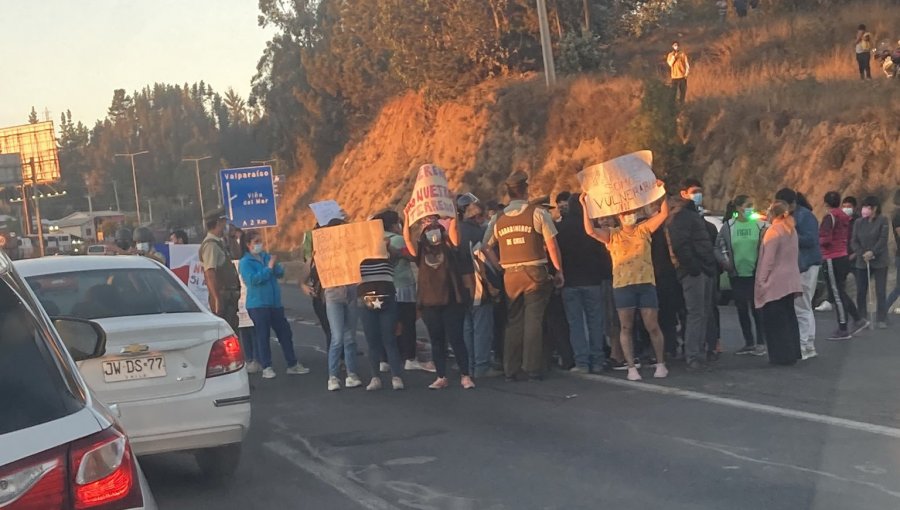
32, 390
105, 293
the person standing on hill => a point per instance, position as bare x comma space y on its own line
864, 52
809, 261
833, 232
680, 68
526, 236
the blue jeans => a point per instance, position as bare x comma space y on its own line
380, 328
248, 339
478, 333
896, 292
265, 320
342, 319
584, 311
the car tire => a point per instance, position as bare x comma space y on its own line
219, 463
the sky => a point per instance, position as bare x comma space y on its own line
71, 54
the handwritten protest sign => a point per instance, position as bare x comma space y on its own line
184, 261
620, 185
326, 211
339, 250
431, 195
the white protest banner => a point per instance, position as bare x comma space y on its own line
431, 195
339, 250
619, 185
326, 211
184, 261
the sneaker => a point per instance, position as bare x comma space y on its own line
412, 364
352, 381
397, 383
384, 367
374, 384
840, 334
881, 325
621, 365
268, 373
859, 326
439, 384
254, 367
661, 371
467, 382
809, 353
760, 350
633, 374
579, 370
297, 369
826, 306
334, 384
749, 349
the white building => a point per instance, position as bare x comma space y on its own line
86, 225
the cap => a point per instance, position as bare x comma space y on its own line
517, 178
218, 214
543, 201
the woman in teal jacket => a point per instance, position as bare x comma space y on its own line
260, 272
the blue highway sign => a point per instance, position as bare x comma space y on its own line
249, 196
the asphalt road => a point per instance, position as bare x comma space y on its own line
822, 435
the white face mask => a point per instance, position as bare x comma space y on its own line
848, 211
143, 247
629, 220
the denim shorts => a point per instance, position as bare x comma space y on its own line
641, 295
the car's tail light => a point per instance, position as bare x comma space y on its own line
225, 357
103, 472
35, 483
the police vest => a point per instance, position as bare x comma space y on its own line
517, 238
226, 274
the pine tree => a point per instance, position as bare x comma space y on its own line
33, 117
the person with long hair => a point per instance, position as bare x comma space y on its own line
442, 296
737, 250
870, 243
634, 284
777, 283
378, 300
261, 271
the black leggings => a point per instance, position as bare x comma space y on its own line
742, 290
445, 324
406, 338
864, 60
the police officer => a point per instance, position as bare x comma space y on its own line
222, 278
526, 235
143, 244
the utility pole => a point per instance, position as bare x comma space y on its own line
199, 186
116, 191
37, 209
150, 209
137, 198
549, 68
274, 171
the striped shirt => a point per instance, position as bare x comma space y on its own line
377, 277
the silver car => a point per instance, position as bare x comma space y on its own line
60, 448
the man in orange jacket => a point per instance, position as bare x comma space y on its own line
680, 67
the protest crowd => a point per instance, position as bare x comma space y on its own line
621, 280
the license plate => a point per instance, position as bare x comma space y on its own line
129, 369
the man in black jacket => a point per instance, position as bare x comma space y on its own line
692, 253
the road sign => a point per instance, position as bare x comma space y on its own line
249, 196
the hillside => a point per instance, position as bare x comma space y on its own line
772, 101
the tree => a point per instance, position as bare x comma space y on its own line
236, 106
32, 117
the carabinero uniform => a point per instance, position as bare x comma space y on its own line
215, 255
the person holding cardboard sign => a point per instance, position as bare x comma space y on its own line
634, 282
442, 296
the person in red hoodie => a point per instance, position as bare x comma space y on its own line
833, 235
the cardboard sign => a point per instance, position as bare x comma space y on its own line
620, 185
326, 211
431, 195
184, 261
340, 249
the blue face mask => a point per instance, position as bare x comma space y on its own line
256, 249
697, 198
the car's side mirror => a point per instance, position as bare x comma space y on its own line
83, 338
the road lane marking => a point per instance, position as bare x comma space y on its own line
339, 482
833, 421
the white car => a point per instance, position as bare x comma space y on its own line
60, 448
173, 369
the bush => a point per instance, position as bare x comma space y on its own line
582, 52
656, 128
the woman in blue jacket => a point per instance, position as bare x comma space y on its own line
260, 272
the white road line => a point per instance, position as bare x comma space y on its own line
860, 426
342, 484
